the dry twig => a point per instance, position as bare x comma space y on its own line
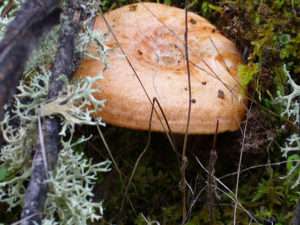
184, 160
239, 167
37, 189
211, 189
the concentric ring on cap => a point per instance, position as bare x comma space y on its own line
152, 36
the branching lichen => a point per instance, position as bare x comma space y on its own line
70, 197
290, 103
71, 186
292, 145
74, 103
18, 129
72, 181
95, 40
45, 54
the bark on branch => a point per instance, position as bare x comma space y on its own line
37, 189
34, 19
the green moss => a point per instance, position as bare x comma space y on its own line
267, 32
268, 35
247, 73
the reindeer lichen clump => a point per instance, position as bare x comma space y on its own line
70, 197
73, 179
291, 149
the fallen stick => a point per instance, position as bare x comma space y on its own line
36, 193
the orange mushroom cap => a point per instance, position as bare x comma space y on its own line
152, 36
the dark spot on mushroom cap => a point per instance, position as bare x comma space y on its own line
169, 53
132, 8
213, 30
221, 94
140, 52
193, 21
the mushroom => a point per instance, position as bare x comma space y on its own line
152, 37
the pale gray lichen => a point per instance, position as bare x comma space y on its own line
291, 150
71, 186
5, 20
96, 41
19, 131
290, 103
76, 104
70, 198
50, 222
74, 174
292, 145
90, 6
3, 23
44, 55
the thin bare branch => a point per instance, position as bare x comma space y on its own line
211, 177
257, 167
227, 192
239, 167
184, 159
36, 193
154, 102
